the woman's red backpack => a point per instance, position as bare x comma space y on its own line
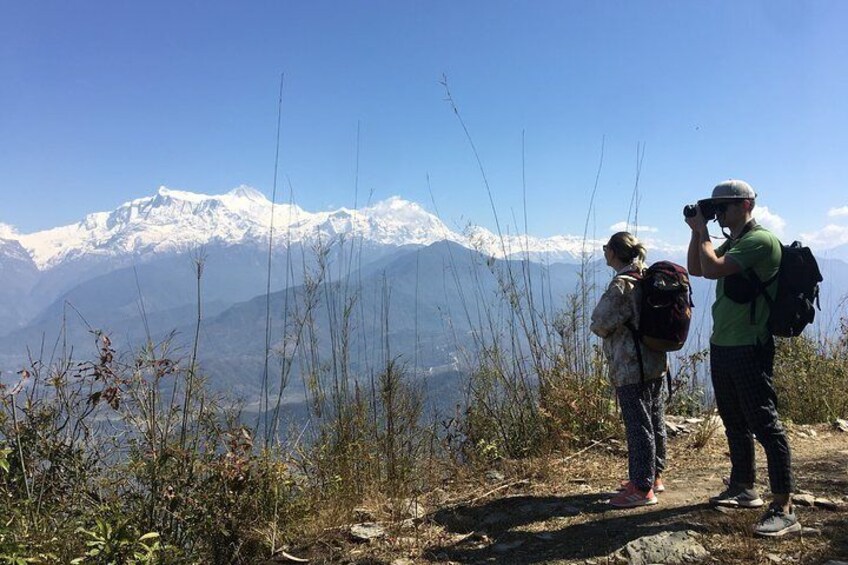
665, 307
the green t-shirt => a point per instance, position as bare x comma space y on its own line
760, 251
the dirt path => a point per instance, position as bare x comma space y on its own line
553, 511
559, 515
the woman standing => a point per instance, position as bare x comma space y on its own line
642, 406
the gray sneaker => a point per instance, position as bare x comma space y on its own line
735, 496
775, 523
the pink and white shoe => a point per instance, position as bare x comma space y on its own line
658, 488
631, 497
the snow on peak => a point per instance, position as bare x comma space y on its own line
178, 220
165, 194
247, 192
8, 232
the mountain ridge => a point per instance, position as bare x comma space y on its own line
177, 220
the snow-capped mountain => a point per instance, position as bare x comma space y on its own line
17, 275
178, 221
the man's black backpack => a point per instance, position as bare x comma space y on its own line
797, 297
794, 304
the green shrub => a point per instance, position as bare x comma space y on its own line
811, 378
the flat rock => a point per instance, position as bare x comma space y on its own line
413, 509
367, 531
668, 548
804, 499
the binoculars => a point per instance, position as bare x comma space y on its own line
708, 210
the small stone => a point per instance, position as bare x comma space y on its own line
367, 531
804, 499
413, 509
363, 514
827, 504
507, 546
841, 425
494, 476
673, 429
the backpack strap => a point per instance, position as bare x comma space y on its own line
637, 276
634, 274
637, 342
761, 290
761, 286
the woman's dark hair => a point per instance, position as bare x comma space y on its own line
627, 248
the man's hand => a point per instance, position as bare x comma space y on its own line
697, 222
693, 255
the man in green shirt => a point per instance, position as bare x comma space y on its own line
742, 349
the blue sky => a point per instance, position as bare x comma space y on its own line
102, 102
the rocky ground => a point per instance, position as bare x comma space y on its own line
554, 511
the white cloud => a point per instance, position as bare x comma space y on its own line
8, 232
834, 212
624, 226
826, 238
770, 220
